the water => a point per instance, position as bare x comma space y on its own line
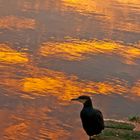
54, 50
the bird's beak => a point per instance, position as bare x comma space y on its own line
79, 100
75, 99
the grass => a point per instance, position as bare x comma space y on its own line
118, 131
119, 125
134, 119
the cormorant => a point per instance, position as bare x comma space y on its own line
92, 119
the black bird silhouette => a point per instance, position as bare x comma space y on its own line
92, 119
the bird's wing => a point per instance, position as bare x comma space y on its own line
99, 118
92, 121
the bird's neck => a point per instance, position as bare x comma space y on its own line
88, 104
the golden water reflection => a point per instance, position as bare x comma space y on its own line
31, 123
35, 6
15, 23
17, 131
136, 2
83, 5
64, 86
11, 56
30, 82
107, 12
81, 49
33, 81
113, 14
34, 99
136, 88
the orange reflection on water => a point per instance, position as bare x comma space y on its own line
136, 2
29, 123
108, 13
17, 131
62, 87
65, 87
108, 87
34, 5
127, 26
84, 6
130, 54
77, 50
9, 55
46, 82
13, 22
136, 88
80, 50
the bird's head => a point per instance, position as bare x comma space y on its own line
83, 99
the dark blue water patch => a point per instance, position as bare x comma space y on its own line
125, 36
117, 106
95, 68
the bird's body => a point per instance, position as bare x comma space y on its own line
92, 119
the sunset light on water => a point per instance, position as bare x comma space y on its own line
53, 51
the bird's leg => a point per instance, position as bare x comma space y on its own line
91, 138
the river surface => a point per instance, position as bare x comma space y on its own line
55, 50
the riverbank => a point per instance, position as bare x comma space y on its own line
120, 130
